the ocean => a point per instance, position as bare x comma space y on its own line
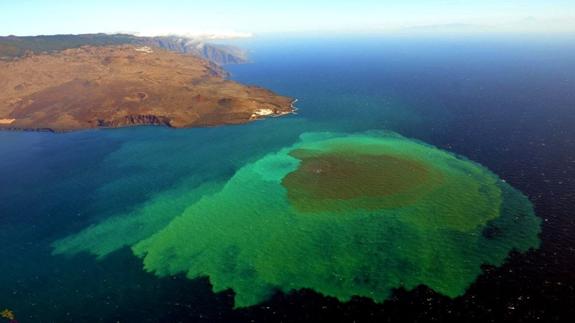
507, 103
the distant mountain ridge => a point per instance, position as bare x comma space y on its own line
13, 47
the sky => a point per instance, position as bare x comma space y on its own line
33, 17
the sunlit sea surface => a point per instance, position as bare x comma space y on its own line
506, 103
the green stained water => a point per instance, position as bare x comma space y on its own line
125, 230
433, 222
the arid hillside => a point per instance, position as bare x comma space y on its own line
113, 86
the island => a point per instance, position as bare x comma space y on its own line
124, 85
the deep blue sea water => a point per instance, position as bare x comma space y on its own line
507, 103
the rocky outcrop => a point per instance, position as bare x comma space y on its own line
135, 120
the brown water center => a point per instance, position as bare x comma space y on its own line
353, 175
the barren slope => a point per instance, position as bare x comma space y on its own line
115, 86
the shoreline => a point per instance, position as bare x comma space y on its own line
5, 127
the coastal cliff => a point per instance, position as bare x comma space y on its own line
216, 53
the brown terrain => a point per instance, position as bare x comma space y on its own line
115, 86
